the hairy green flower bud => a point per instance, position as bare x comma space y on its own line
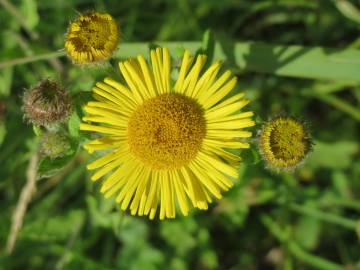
54, 145
284, 143
47, 103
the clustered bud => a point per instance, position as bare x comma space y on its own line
47, 103
284, 143
54, 145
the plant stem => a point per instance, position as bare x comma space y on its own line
340, 105
328, 217
343, 202
33, 58
295, 249
24, 200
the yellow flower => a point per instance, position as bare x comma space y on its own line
284, 143
166, 143
92, 38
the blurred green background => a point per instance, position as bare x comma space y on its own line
308, 219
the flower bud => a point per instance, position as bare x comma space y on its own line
284, 143
54, 145
92, 38
47, 104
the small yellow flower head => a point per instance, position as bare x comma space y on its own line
284, 143
47, 103
54, 145
92, 38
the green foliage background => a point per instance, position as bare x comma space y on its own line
303, 220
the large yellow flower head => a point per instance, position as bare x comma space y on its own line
166, 144
92, 38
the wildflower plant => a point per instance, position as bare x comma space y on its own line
167, 129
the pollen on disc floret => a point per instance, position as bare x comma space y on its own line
92, 38
284, 143
166, 131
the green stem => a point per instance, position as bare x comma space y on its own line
328, 217
295, 249
340, 105
33, 58
349, 203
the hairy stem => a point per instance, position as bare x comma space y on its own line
21, 207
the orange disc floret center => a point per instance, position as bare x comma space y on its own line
166, 132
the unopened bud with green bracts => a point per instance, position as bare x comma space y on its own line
47, 104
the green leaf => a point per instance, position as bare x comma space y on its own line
283, 60
334, 155
341, 184
74, 124
2, 131
29, 9
48, 167
80, 100
57, 227
208, 45
6, 76
250, 156
348, 9
308, 232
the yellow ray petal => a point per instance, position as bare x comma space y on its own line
192, 78
107, 168
206, 78
166, 70
102, 161
156, 70
227, 110
185, 66
207, 182
227, 134
149, 78
134, 207
137, 95
180, 192
225, 144
101, 129
121, 89
219, 164
221, 179
214, 87
122, 96
153, 193
136, 80
233, 124
220, 94
237, 116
